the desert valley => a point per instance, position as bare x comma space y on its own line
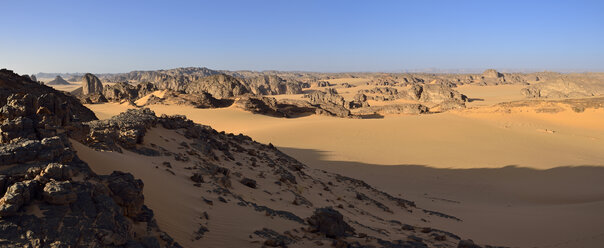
194, 157
344, 124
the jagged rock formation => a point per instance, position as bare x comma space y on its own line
57, 81
175, 79
329, 103
93, 98
427, 93
234, 172
35, 111
567, 86
270, 106
197, 100
401, 108
322, 84
49, 197
91, 84
435, 93
273, 85
125, 91
220, 86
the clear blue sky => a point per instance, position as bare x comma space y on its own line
120, 36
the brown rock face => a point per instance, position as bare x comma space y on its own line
91, 84
220, 86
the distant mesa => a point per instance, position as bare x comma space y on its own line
58, 81
491, 73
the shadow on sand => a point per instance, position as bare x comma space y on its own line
560, 185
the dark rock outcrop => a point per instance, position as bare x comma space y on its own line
329, 103
270, 106
31, 110
93, 98
124, 91
125, 130
50, 198
330, 222
176, 79
220, 86
401, 108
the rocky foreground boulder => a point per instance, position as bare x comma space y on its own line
49, 197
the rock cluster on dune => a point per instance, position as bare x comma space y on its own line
49, 197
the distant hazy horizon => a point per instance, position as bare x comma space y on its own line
314, 36
424, 70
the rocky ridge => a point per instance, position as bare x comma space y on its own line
49, 197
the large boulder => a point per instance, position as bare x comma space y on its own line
91, 84
59, 193
330, 222
16, 196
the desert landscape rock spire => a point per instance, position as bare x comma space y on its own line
91, 84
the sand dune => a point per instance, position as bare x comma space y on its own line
468, 140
